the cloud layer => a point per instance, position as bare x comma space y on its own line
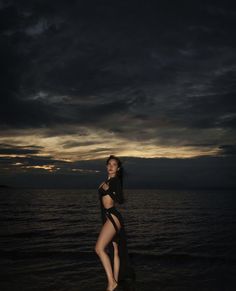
83, 80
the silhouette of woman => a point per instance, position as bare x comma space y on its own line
117, 262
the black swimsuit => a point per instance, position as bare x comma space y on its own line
115, 191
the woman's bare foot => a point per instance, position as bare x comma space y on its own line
112, 286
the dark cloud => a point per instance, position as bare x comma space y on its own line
145, 71
6, 149
165, 51
229, 150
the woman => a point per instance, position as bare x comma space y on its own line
112, 235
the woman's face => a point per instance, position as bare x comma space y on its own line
112, 167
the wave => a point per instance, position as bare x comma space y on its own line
137, 257
181, 257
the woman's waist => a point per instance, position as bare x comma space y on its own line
111, 209
108, 204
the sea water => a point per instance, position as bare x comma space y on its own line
177, 239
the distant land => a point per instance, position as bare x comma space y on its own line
5, 186
125, 189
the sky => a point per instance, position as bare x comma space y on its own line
152, 82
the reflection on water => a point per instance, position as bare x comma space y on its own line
178, 240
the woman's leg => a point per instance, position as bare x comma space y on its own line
116, 261
105, 236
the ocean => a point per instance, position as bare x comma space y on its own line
177, 239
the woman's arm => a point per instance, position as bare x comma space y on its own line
114, 189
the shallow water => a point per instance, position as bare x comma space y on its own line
177, 239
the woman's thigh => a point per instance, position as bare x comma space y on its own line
117, 222
106, 234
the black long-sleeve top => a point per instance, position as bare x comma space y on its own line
115, 189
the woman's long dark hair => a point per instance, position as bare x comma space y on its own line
120, 172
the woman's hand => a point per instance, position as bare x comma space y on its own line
105, 186
101, 184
